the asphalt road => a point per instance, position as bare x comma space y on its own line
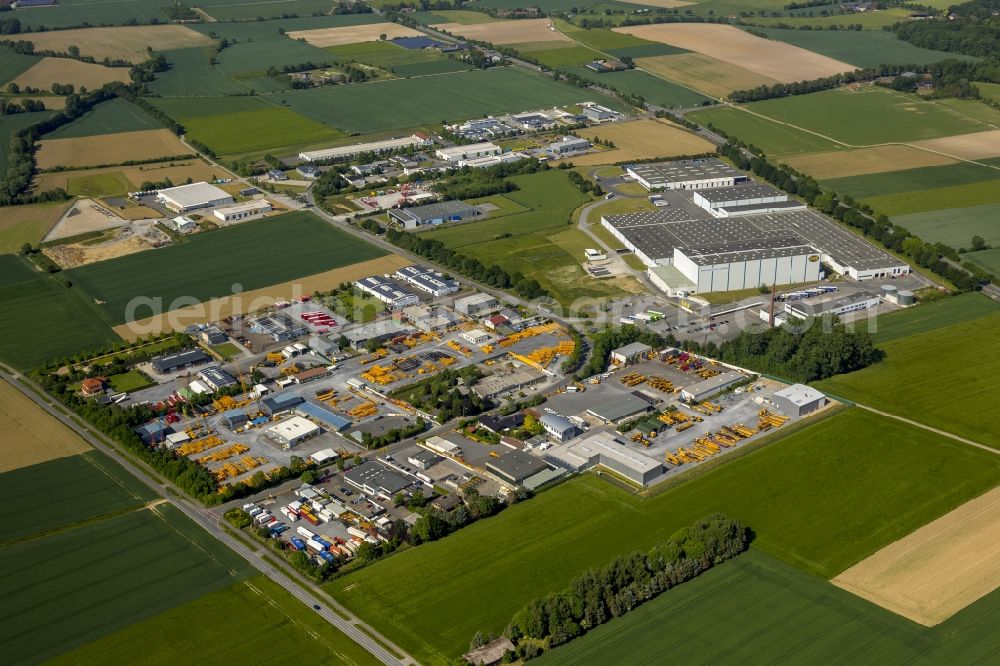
210, 523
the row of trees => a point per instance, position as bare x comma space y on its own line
974, 30
440, 394
824, 83
598, 595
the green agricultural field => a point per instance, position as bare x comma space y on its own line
234, 10
78, 488
382, 54
549, 5
463, 16
130, 567
957, 196
769, 136
263, 53
934, 315
955, 226
569, 57
191, 73
97, 185
616, 43
444, 66
912, 180
888, 115
43, 319
73, 13
10, 125
651, 88
920, 370
758, 605
806, 496
27, 224
232, 126
874, 21
864, 49
209, 264
375, 106
109, 117
13, 64
988, 259
989, 90
254, 620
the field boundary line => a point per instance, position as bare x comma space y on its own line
937, 431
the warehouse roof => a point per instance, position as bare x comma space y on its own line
497, 384
170, 362
606, 445
685, 170
748, 190
376, 476
194, 194
516, 465
712, 384
281, 401
616, 405
557, 422
748, 250
293, 428
323, 415
458, 152
632, 349
747, 209
799, 394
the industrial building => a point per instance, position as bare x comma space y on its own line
559, 427
193, 197
280, 403
630, 353
615, 406
433, 214
184, 224
374, 478
686, 174
324, 416
476, 305
598, 114
234, 418
470, 151
213, 335
862, 300
427, 279
798, 400
496, 385
308, 172
515, 466
476, 336
279, 327
567, 145
492, 160
216, 378
605, 449
735, 265
244, 211
744, 199
394, 296
377, 331
706, 388
292, 431
416, 140
483, 128
179, 361
427, 318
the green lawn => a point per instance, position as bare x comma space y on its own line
651, 88
78, 488
933, 316
867, 48
75, 586
616, 43
227, 350
43, 319
944, 378
758, 605
955, 226
769, 136
115, 115
889, 115
375, 106
210, 264
821, 499
251, 621
133, 380
989, 90
234, 10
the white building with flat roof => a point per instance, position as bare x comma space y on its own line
243, 211
292, 431
468, 152
194, 196
416, 140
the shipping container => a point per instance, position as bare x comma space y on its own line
312, 544
306, 533
326, 556
298, 543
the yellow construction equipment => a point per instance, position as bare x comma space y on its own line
706, 373
660, 384
275, 357
742, 430
672, 459
377, 355
446, 361
701, 410
633, 379
529, 332
711, 405
771, 419
460, 348
222, 454
565, 347
292, 369
198, 445
684, 426
543, 355
486, 349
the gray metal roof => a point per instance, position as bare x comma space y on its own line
685, 170
743, 191
618, 405
632, 348
557, 422
517, 465
378, 476
442, 209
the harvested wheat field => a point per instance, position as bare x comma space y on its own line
777, 60
64, 70
352, 34
878, 159
249, 301
975, 146
507, 32
666, 4
28, 435
109, 148
124, 43
938, 570
709, 75
642, 139
177, 171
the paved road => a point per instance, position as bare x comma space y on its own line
209, 522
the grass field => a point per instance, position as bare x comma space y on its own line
642, 139
133, 380
372, 107
351, 34
868, 48
988, 259
505, 32
977, 195
403, 62
570, 56
117, 148
123, 43
989, 90
130, 567
108, 184
919, 370
955, 226
10, 124
933, 316
251, 621
762, 606
13, 64
232, 10
26, 224
251, 124
769, 136
29, 436
890, 116
43, 319
94, 12
805, 496
651, 88
870, 185
79, 487
109, 117
616, 43
868, 20
191, 73
210, 264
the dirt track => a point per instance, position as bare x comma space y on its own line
938, 570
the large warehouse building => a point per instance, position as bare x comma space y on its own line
468, 152
416, 140
193, 197
745, 199
686, 174
604, 449
433, 213
394, 296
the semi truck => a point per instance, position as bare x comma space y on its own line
298, 544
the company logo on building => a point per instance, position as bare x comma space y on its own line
813, 257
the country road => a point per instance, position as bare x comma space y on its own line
352, 626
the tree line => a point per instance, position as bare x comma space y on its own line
974, 30
440, 394
599, 595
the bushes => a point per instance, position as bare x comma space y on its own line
598, 595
